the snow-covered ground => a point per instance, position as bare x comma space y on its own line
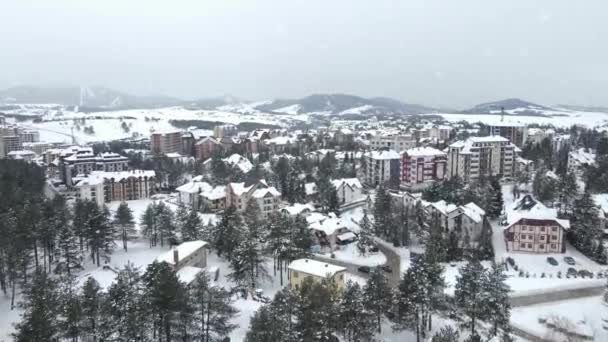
590, 309
108, 125
564, 118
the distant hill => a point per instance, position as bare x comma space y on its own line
341, 104
90, 97
511, 106
584, 108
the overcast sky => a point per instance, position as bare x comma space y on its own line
441, 53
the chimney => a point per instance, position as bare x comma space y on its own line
326, 265
175, 256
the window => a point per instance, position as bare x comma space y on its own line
553, 245
541, 246
530, 245
554, 237
554, 229
295, 274
341, 276
542, 229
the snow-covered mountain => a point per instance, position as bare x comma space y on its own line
342, 104
90, 97
511, 106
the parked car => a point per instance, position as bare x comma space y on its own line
552, 261
571, 272
569, 260
585, 274
387, 269
364, 269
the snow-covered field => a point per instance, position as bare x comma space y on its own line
349, 253
590, 309
107, 125
566, 118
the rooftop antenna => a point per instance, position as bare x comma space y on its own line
502, 114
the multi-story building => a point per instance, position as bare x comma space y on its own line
534, 228
560, 141
201, 195
129, 185
348, 190
466, 219
77, 160
29, 136
382, 167
239, 194
9, 143
205, 148
166, 142
37, 147
440, 132
22, 155
224, 131
395, 142
421, 166
515, 132
481, 156
317, 271
187, 254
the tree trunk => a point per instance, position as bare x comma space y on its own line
13, 295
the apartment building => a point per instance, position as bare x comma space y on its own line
317, 271
116, 186
239, 194
166, 142
515, 132
392, 141
481, 156
421, 166
381, 167
579, 159
77, 160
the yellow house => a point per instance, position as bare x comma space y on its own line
306, 268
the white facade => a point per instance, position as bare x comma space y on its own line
348, 189
481, 156
381, 166
395, 142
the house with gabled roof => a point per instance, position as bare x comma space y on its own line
239, 194
467, 220
348, 190
534, 228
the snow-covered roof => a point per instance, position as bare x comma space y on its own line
310, 188
21, 153
530, 208
298, 208
183, 251
260, 193
239, 188
601, 200
215, 193
507, 124
194, 186
383, 155
281, 141
473, 211
315, 268
328, 225
120, 175
424, 152
346, 236
352, 182
239, 161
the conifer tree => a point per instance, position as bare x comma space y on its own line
122, 312
585, 233
357, 323
212, 310
90, 304
191, 227
316, 310
100, 233
469, 294
40, 310
446, 334
149, 224
497, 305
226, 232
123, 219
166, 224
382, 212
70, 309
377, 296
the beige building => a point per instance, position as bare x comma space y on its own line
166, 142
239, 194
534, 228
186, 254
481, 156
302, 269
515, 132
395, 142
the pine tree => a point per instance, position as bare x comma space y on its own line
226, 232
366, 238
496, 201
469, 295
100, 233
212, 310
377, 296
191, 227
90, 304
40, 310
357, 323
70, 309
585, 233
446, 334
316, 310
68, 247
246, 260
166, 224
498, 306
150, 225
382, 212
568, 190
123, 312
263, 326
162, 291
123, 219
